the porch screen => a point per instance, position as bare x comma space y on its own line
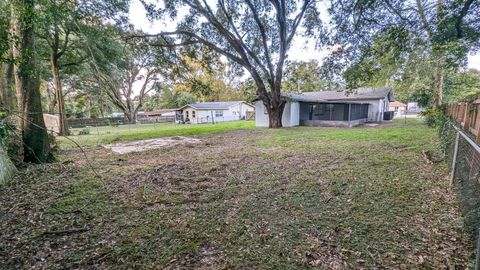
358, 111
327, 111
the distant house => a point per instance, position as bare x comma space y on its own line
398, 107
160, 116
332, 108
208, 112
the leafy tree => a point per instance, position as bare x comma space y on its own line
255, 35
170, 99
387, 40
206, 83
62, 24
139, 65
462, 86
305, 77
34, 133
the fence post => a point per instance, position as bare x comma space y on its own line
454, 159
477, 253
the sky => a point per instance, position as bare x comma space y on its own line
302, 49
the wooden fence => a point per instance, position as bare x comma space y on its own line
467, 116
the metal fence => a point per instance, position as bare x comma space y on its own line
464, 162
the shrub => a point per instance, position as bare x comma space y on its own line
433, 117
84, 131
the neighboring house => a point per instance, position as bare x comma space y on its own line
413, 107
398, 107
331, 108
206, 112
160, 116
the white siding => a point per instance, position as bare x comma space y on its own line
290, 117
376, 109
234, 113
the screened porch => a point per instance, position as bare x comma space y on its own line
333, 114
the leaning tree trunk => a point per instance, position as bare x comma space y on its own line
63, 125
27, 86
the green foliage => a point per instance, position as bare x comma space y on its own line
461, 86
446, 132
433, 117
302, 76
422, 43
84, 131
170, 99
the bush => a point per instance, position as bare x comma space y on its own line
433, 117
84, 131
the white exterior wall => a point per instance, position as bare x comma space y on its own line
376, 109
234, 113
290, 117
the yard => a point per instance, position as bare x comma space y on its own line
110, 134
328, 198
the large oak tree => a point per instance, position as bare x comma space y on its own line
253, 34
419, 40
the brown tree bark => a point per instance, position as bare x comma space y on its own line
51, 99
275, 114
27, 84
6, 84
63, 124
438, 90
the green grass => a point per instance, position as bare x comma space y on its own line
109, 134
291, 198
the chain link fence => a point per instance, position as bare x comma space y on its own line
464, 161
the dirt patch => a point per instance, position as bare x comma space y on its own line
143, 145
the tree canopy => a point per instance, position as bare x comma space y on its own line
255, 35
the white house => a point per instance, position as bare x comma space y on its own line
206, 112
332, 108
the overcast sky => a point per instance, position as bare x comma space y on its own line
301, 48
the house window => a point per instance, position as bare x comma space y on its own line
186, 114
193, 114
218, 113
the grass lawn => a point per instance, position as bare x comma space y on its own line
292, 198
109, 134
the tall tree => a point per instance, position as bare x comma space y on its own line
138, 66
205, 82
62, 24
434, 32
303, 76
6, 63
34, 133
255, 35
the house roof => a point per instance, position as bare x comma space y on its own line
158, 112
214, 105
397, 104
354, 95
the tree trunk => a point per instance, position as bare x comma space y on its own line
51, 99
438, 91
27, 86
88, 108
63, 124
275, 113
6, 79
131, 117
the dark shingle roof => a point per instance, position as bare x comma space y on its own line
213, 105
354, 95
